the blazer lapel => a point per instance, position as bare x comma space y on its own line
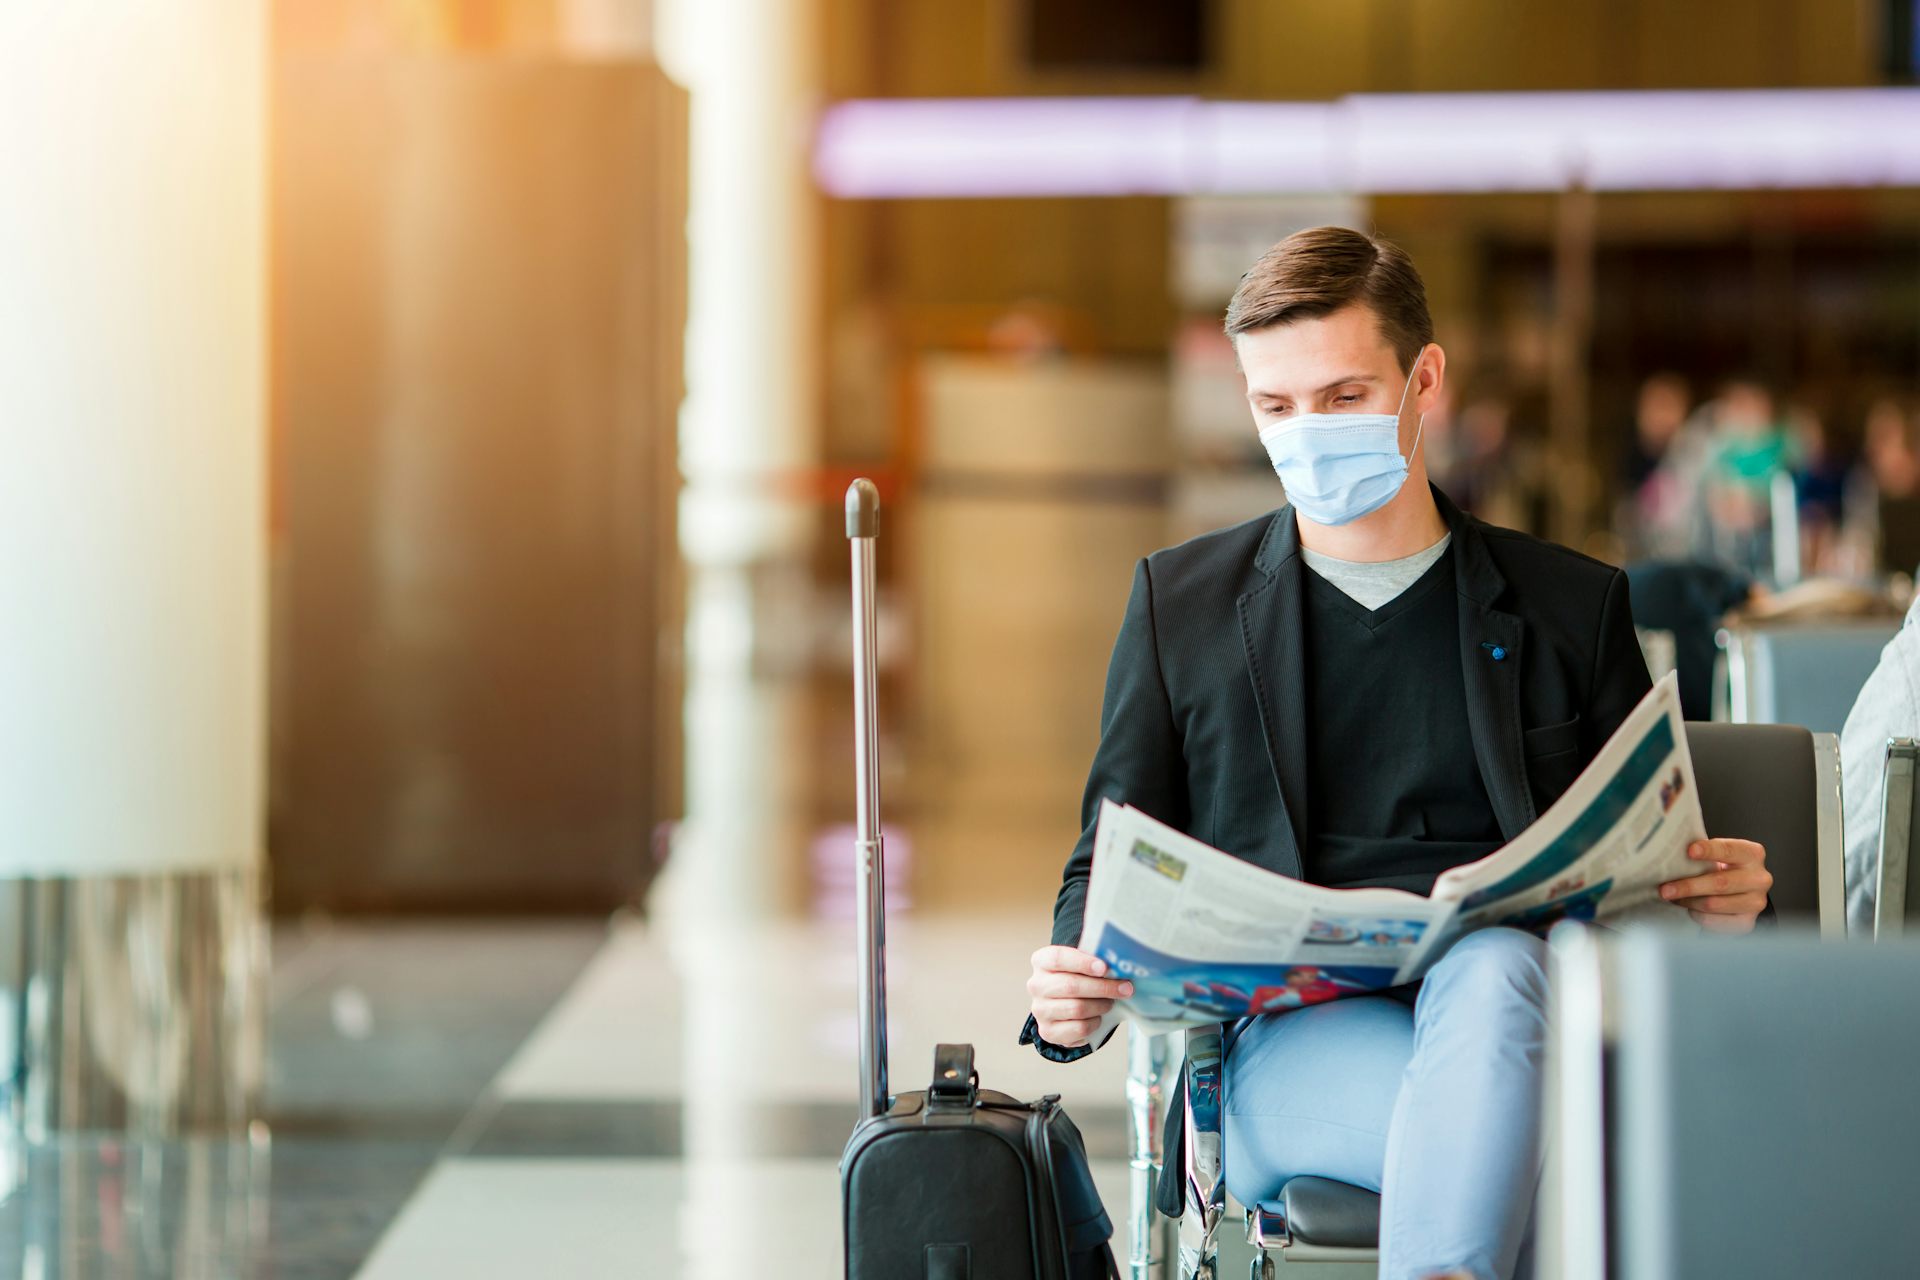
1273, 631
1492, 647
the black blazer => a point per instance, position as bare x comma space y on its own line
1202, 724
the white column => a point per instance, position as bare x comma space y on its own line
746, 427
747, 423
132, 406
132, 506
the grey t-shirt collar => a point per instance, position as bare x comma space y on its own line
1373, 583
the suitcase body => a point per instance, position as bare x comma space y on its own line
954, 1182
962, 1183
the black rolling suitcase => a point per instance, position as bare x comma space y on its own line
958, 1182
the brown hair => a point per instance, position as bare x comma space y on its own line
1322, 269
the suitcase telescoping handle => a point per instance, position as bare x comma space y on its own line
863, 525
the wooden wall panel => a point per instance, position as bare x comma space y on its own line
1106, 259
477, 304
1507, 47
1835, 43
1715, 44
1325, 48
1307, 49
940, 50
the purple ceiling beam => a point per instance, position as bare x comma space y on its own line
1371, 144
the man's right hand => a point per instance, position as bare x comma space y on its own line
1071, 993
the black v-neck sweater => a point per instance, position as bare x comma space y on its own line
1394, 792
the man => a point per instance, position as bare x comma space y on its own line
1888, 707
1365, 688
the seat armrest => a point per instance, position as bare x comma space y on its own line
1896, 837
1829, 840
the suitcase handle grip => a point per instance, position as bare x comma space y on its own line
955, 1082
863, 509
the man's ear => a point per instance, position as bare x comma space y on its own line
1433, 376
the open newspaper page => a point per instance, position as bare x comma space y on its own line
1604, 848
1205, 936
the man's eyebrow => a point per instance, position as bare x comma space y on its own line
1257, 394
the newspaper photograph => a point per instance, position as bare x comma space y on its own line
1207, 937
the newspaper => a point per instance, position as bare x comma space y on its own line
1205, 936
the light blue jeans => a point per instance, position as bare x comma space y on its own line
1436, 1106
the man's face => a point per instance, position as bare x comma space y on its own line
1746, 407
1336, 363
1663, 409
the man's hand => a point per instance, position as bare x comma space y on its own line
1071, 993
1728, 898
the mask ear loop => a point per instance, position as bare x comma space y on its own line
1422, 424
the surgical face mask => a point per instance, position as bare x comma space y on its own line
1338, 467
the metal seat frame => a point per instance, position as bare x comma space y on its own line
1161, 1248
1897, 775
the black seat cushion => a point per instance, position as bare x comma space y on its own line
1328, 1213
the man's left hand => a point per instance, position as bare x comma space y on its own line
1730, 897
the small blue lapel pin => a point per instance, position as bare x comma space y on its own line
1497, 652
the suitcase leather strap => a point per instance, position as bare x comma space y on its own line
955, 1084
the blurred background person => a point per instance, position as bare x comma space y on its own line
1893, 469
1495, 466
1823, 475
1659, 473
1689, 600
1747, 448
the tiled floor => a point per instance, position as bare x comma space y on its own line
383, 1040
715, 1102
550, 1101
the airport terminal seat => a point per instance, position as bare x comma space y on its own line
1729, 1110
1776, 784
1794, 672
